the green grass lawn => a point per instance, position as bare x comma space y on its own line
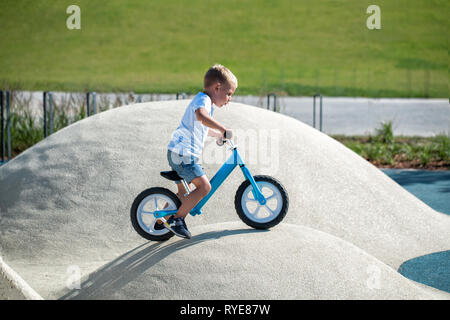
288, 47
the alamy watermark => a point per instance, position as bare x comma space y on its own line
73, 280
74, 20
257, 147
374, 279
374, 20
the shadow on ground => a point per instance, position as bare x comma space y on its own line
116, 274
431, 269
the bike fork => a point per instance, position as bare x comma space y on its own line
256, 191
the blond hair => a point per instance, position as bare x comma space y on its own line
218, 73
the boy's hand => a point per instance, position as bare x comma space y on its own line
228, 134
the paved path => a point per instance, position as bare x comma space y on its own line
358, 116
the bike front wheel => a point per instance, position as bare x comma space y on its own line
258, 216
144, 205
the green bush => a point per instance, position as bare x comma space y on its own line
25, 132
385, 133
385, 149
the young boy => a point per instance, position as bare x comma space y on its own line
187, 142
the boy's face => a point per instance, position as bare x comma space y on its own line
222, 93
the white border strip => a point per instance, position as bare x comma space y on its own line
18, 282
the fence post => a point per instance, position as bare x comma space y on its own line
88, 111
320, 116
45, 112
274, 101
94, 101
8, 123
48, 117
50, 111
314, 110
88, 102
2, 147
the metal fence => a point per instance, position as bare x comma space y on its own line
90, 102
5, 103
342, 116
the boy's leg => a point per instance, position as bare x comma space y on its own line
180, 193
176, 223
202, 188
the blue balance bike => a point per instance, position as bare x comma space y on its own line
261, 201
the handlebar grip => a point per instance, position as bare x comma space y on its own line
228, 134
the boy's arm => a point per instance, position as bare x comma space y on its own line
203, 116
214, 133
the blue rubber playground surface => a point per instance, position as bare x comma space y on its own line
433, 188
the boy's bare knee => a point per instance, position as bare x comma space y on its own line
206, 188
203, 185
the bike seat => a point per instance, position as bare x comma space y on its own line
171, 175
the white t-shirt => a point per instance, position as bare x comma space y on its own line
189, 138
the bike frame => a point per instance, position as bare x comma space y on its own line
220, 176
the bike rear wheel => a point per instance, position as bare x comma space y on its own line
258, 216
142, 209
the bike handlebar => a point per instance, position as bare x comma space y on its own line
222, 141
226, 139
